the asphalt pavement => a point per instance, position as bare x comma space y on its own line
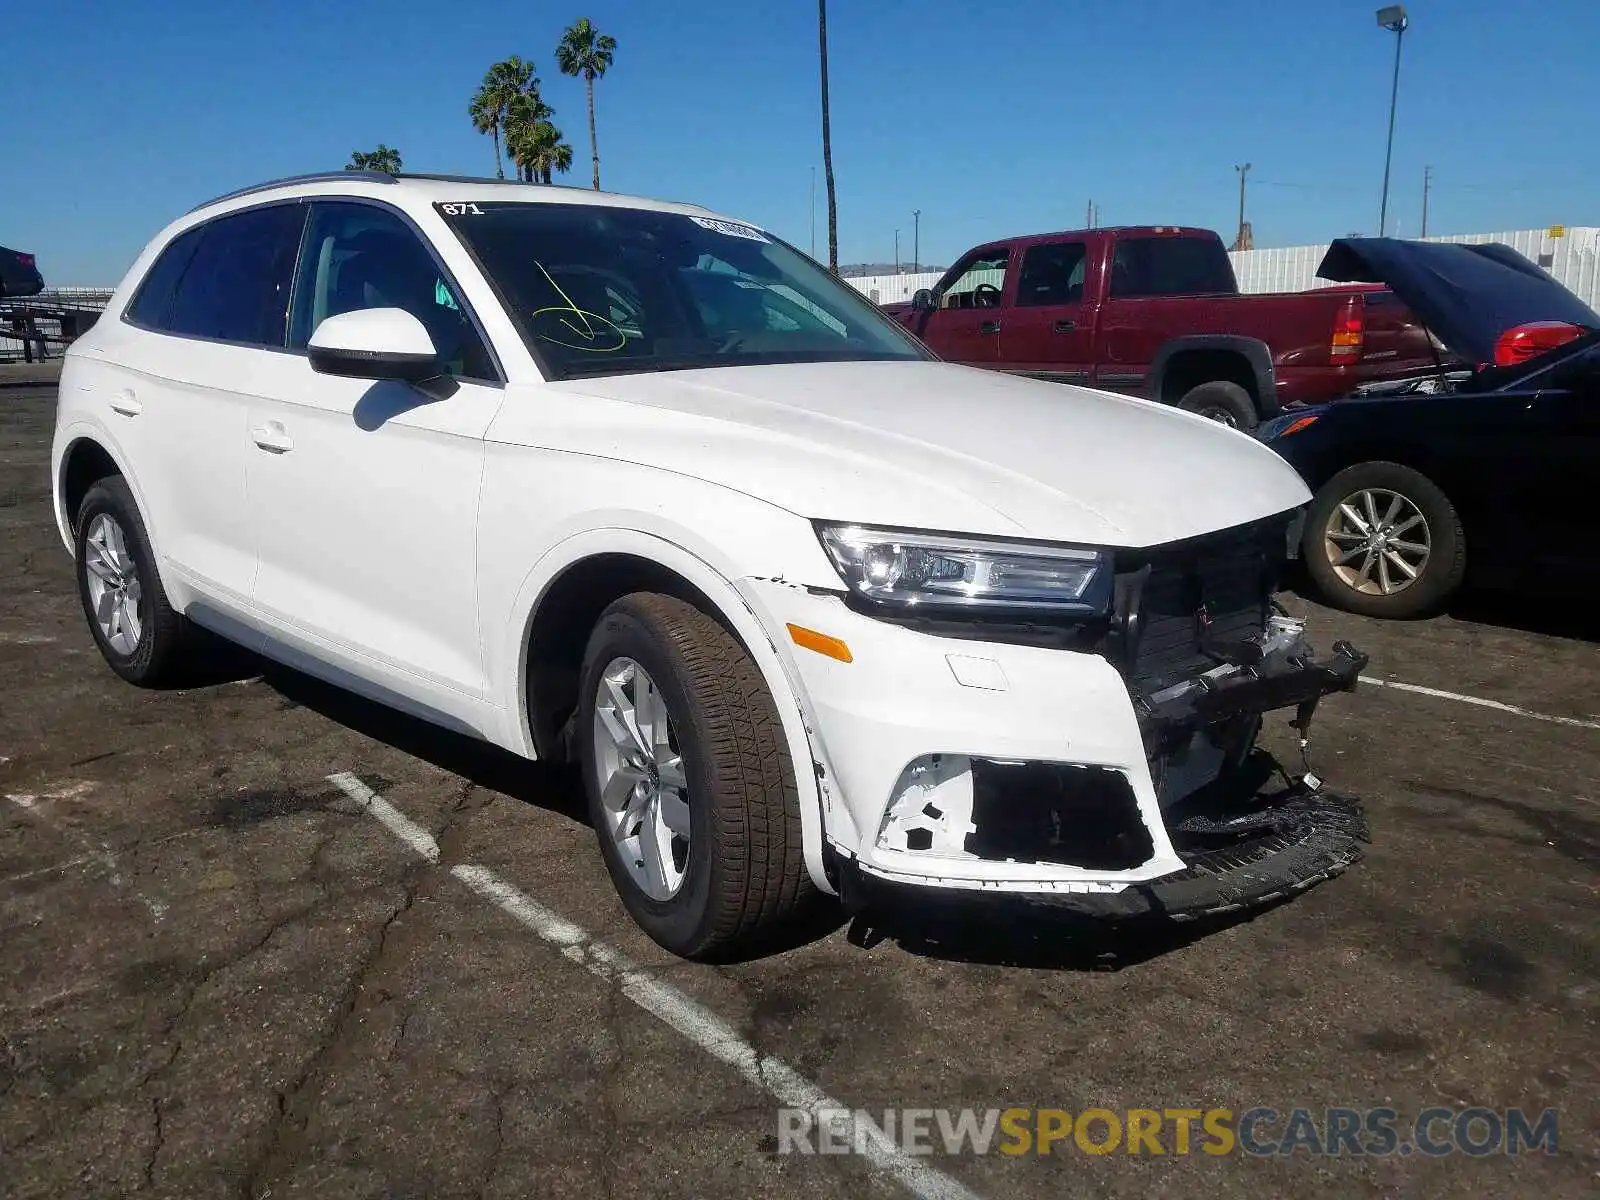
259, 938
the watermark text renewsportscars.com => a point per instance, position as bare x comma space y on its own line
1259, 1131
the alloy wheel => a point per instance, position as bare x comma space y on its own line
644, 793
115, 590
1378, 542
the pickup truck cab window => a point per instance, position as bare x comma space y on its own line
1171, 266
1052, 273
981, 283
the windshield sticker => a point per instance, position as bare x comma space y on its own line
732, 229
461, 210
574, 328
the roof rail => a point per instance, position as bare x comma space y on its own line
453, 178
571, 187
314, 176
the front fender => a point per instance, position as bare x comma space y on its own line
771, 658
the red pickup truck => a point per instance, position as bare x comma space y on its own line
1156, 311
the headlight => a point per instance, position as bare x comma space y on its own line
902, 567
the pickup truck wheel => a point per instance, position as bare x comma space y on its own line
1221, 401
690, 787
139, 634
1382, 540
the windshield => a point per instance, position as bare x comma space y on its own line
599, 290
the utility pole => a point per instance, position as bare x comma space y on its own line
897, 252
916, 238
1238, 242
1088, 216
1427, 181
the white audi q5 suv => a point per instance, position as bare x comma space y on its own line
633, 484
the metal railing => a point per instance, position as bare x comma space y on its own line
37, 328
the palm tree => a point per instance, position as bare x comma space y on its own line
384, 158
585, 51
537, 147
491, 104
827, 141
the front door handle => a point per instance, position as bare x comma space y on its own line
272, 438
127, 404
989, 327
1066, 325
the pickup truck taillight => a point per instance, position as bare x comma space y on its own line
1345, 345
1531, 340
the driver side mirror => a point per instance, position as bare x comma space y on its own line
375, 343
922, 300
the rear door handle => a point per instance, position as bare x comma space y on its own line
989, 327
273, 438
127, 404
1066, 325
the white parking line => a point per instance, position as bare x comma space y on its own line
666, 1003
1479, 701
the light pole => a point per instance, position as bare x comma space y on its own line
916, 238
1238, 242
1392, 18
897, 252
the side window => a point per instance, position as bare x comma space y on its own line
152, 302
1171, 266
357, 256
981, 283
1052, 274
236, 286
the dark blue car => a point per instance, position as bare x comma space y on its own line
19, 274
1481, 474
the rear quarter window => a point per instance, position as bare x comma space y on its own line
152, 301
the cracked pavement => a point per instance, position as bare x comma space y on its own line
223, 979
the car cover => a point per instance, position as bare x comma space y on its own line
1467, 295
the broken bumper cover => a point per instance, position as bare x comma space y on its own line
1294, 839
960, 764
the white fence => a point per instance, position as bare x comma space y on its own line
1571, 254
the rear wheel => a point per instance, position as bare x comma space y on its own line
1221, 401
141, 637
1381, 539
691, 790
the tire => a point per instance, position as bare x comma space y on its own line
156, 653
1222, 401
1331, 533
742, 877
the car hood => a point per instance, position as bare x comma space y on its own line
938, 446
1467, 295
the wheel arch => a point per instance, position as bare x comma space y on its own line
1186, 362
566, 592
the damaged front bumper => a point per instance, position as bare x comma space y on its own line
955, 763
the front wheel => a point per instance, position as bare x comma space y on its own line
691, 790
1382, 539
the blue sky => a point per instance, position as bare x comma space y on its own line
991, 118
